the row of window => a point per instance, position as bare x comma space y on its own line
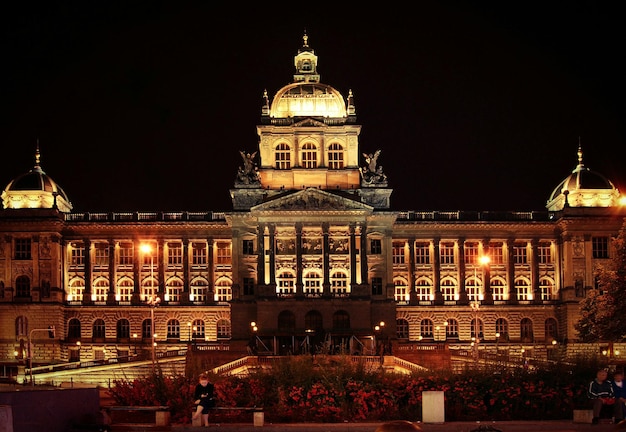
173, 252
199, 255
309, 156
471, 250
450, 329
195, 330
475, 289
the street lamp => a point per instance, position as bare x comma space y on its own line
135, 343
153, 300
189, 331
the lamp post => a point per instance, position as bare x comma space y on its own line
189, 331
78, 344
135, 343
475, 305
152, 301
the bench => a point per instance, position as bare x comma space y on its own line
133, 415
258, 416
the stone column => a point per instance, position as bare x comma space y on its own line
88, 273
534, 271
510, 270
210, 297
326, 259
299, 268
412, 293
111, 300
486, 270
186, 289
364, 268
463, 297
352, 254
437, 272
260, 241
272, 249
135, 299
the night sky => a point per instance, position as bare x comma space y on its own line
144, 106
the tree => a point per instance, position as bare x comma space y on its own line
603, 311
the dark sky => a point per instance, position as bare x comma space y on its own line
475, 105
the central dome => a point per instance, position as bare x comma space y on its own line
308, 99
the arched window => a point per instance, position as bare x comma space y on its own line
173, 289
312, 280
401, 293
546, 286
286, 320
198, 329
98, 330
199, 288
149, 287
449, 289
526, 330
224, 330
552, 330
21, 327
146, 329
313, 321
123, 329
498, 289
309, 156
472, 287
335, 156
426, 328
452, 329
125, 287
424, 289
502, 327
22, 287
283, 156
285, 283
523, 289
223, 290
101, 289
173, 329
338, 282
77, 288
73, 329
341, 320
477, 326
402, 328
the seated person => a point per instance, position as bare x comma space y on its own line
600, 392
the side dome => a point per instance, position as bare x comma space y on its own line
583, 188
308, 99
35, 190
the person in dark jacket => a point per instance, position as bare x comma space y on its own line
600, 392
619, 391
203, 398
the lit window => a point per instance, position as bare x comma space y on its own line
174, 254
199, 287
101, 289
338, 282
523, 290
496, 253
309, 156
285, 283
471, 253
125, 289
312, 284
77, 255
446, 252
520, 253
199, 254
283, 156
224, 254
448, 290
223, 290
422, 253
335, 156
401, 294
101, 255
223, 329
423, 289
544, 250
126, 254
398, 252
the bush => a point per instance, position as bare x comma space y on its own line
334, 389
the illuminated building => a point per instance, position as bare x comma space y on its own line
312, 254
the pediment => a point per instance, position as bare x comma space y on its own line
312, 200
307, 122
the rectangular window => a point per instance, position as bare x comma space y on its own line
175, 254
101, 255
199, 254
398, 252
126, 254
600, 247
520, 253
22, 248
77, 255
248, 247
471, 253
223, 253
545, 253
446, 252
496, 252
376, 247
248, 286
377, 286
422, 253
